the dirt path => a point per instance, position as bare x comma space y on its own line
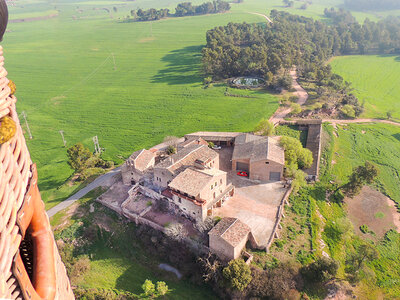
335, 122
258, 14
301, 93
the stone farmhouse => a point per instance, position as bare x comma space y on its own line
261, 157
136, 165
193, 184
229, 237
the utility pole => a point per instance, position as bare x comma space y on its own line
97, 149
62, 135
113, 57
27, 125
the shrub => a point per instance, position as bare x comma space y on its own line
364, 229
348, 111
238, 274
296, 108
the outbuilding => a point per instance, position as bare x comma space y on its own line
228, 238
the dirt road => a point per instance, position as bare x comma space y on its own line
333, 121
301, 93
258, 14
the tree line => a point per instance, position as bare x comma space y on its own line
372, 4
183, 9
270, 50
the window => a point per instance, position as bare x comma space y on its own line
215, 183
220, 181
267, 162
180, 200
214, 195
211, 187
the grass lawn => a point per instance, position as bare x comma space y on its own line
378, 143
376, 80
67, 80
354, 145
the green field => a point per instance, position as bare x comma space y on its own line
66, 79
118, 261
377, 143
376, 80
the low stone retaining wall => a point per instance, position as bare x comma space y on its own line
279, 216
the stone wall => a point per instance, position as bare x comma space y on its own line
221, 248
279, 216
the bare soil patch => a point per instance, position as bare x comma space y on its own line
373, 209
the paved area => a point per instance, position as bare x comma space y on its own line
255, 204
105, 180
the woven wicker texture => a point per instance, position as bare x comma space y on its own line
16, 177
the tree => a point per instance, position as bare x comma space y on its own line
78, 155
265, 127
171, 140
356, 259
389, 115
176, 231
361, 175
238, 274
171, 150
211, 267
295, 155
321, 270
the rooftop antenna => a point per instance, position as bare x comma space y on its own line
62, 135
27, 125
97, 149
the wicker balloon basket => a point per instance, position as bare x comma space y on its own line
30, 265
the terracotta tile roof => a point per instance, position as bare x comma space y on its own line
193, 181
141, 160
232, 230
214, 136
256, 148
192, 141
187, 157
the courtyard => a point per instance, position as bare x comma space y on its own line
254, 203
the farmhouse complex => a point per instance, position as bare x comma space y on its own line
231, 175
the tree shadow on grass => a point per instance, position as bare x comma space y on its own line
184, 66
397, 136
